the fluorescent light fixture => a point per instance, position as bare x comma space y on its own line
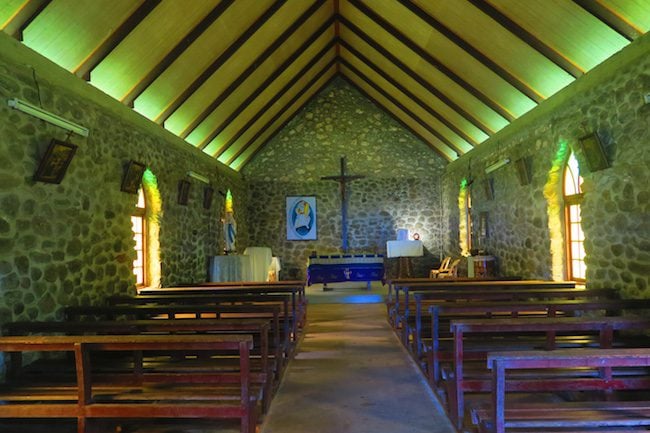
198, 177
52, 118
497, 165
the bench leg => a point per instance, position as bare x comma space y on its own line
81, 424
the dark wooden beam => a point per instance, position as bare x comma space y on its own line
27, 14
218, 62
425, 55
286, 122
398, 120
255, 63
611, 19
337, 29
416, 77
110, 43
264, 84
415, 98
296, 77
280, 112
401, 106
473, 51
175, 52
528, 37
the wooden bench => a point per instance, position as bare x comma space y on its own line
279, 329
572, 416
442, 314
483, 335
144, 393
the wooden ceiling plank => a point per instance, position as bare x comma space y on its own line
272, 77
472, 51
254, 65
611, 19
276, 97
337, 31
188, 40
285, 123
216, 64
280, 112
409, 94
101, 52
425, 55
528, 37
402, 107
417, 77
27, 14
397, 119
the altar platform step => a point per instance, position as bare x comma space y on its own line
347, 293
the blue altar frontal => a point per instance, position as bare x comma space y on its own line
346, 267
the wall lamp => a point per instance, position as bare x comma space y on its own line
497, 165
199, 177
52, 118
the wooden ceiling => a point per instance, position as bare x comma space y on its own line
226, 75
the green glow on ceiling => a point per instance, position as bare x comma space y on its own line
8, 8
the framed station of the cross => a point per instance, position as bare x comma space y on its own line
301, 218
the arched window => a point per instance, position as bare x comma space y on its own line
575, 237
139, 226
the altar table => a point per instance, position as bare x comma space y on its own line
346, 267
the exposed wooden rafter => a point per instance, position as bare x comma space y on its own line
175, 52
267, 82
607, 16
434, 62
218, 62
528, 37
101, 52
21, 20
268, 52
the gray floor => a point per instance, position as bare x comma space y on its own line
351, 375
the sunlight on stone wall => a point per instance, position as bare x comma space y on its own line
154, 214
462, 226
553, 195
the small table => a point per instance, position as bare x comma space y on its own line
404, 251
481, 266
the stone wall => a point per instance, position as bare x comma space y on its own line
616, 210
401, 188
71, 243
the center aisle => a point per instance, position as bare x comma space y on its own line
351, 375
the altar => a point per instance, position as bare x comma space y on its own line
346, 267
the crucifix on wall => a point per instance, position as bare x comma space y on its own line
343, 179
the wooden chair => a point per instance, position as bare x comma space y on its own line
444, 266
451, 271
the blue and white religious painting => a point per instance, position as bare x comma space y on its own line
301, 218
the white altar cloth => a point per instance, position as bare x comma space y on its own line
404, 249
232, 267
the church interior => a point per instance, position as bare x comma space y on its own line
325, 216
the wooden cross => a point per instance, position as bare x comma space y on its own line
343, 179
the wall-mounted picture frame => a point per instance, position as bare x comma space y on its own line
593, 151
55, 162
302, 218
522, 165
132, 177
208, 193
488, 185
183, 192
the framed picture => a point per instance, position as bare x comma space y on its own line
592, 149
55, 162
183, 192
132, 177
301, 218
208, 192
523, 172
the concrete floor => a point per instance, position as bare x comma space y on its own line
351, 375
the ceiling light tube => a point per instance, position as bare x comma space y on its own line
52, 118
497, 165
198, 177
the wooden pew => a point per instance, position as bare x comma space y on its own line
513, 334
143, 394
404, 304
295, 290
443, 313
413, 329
280, 329
573, 416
